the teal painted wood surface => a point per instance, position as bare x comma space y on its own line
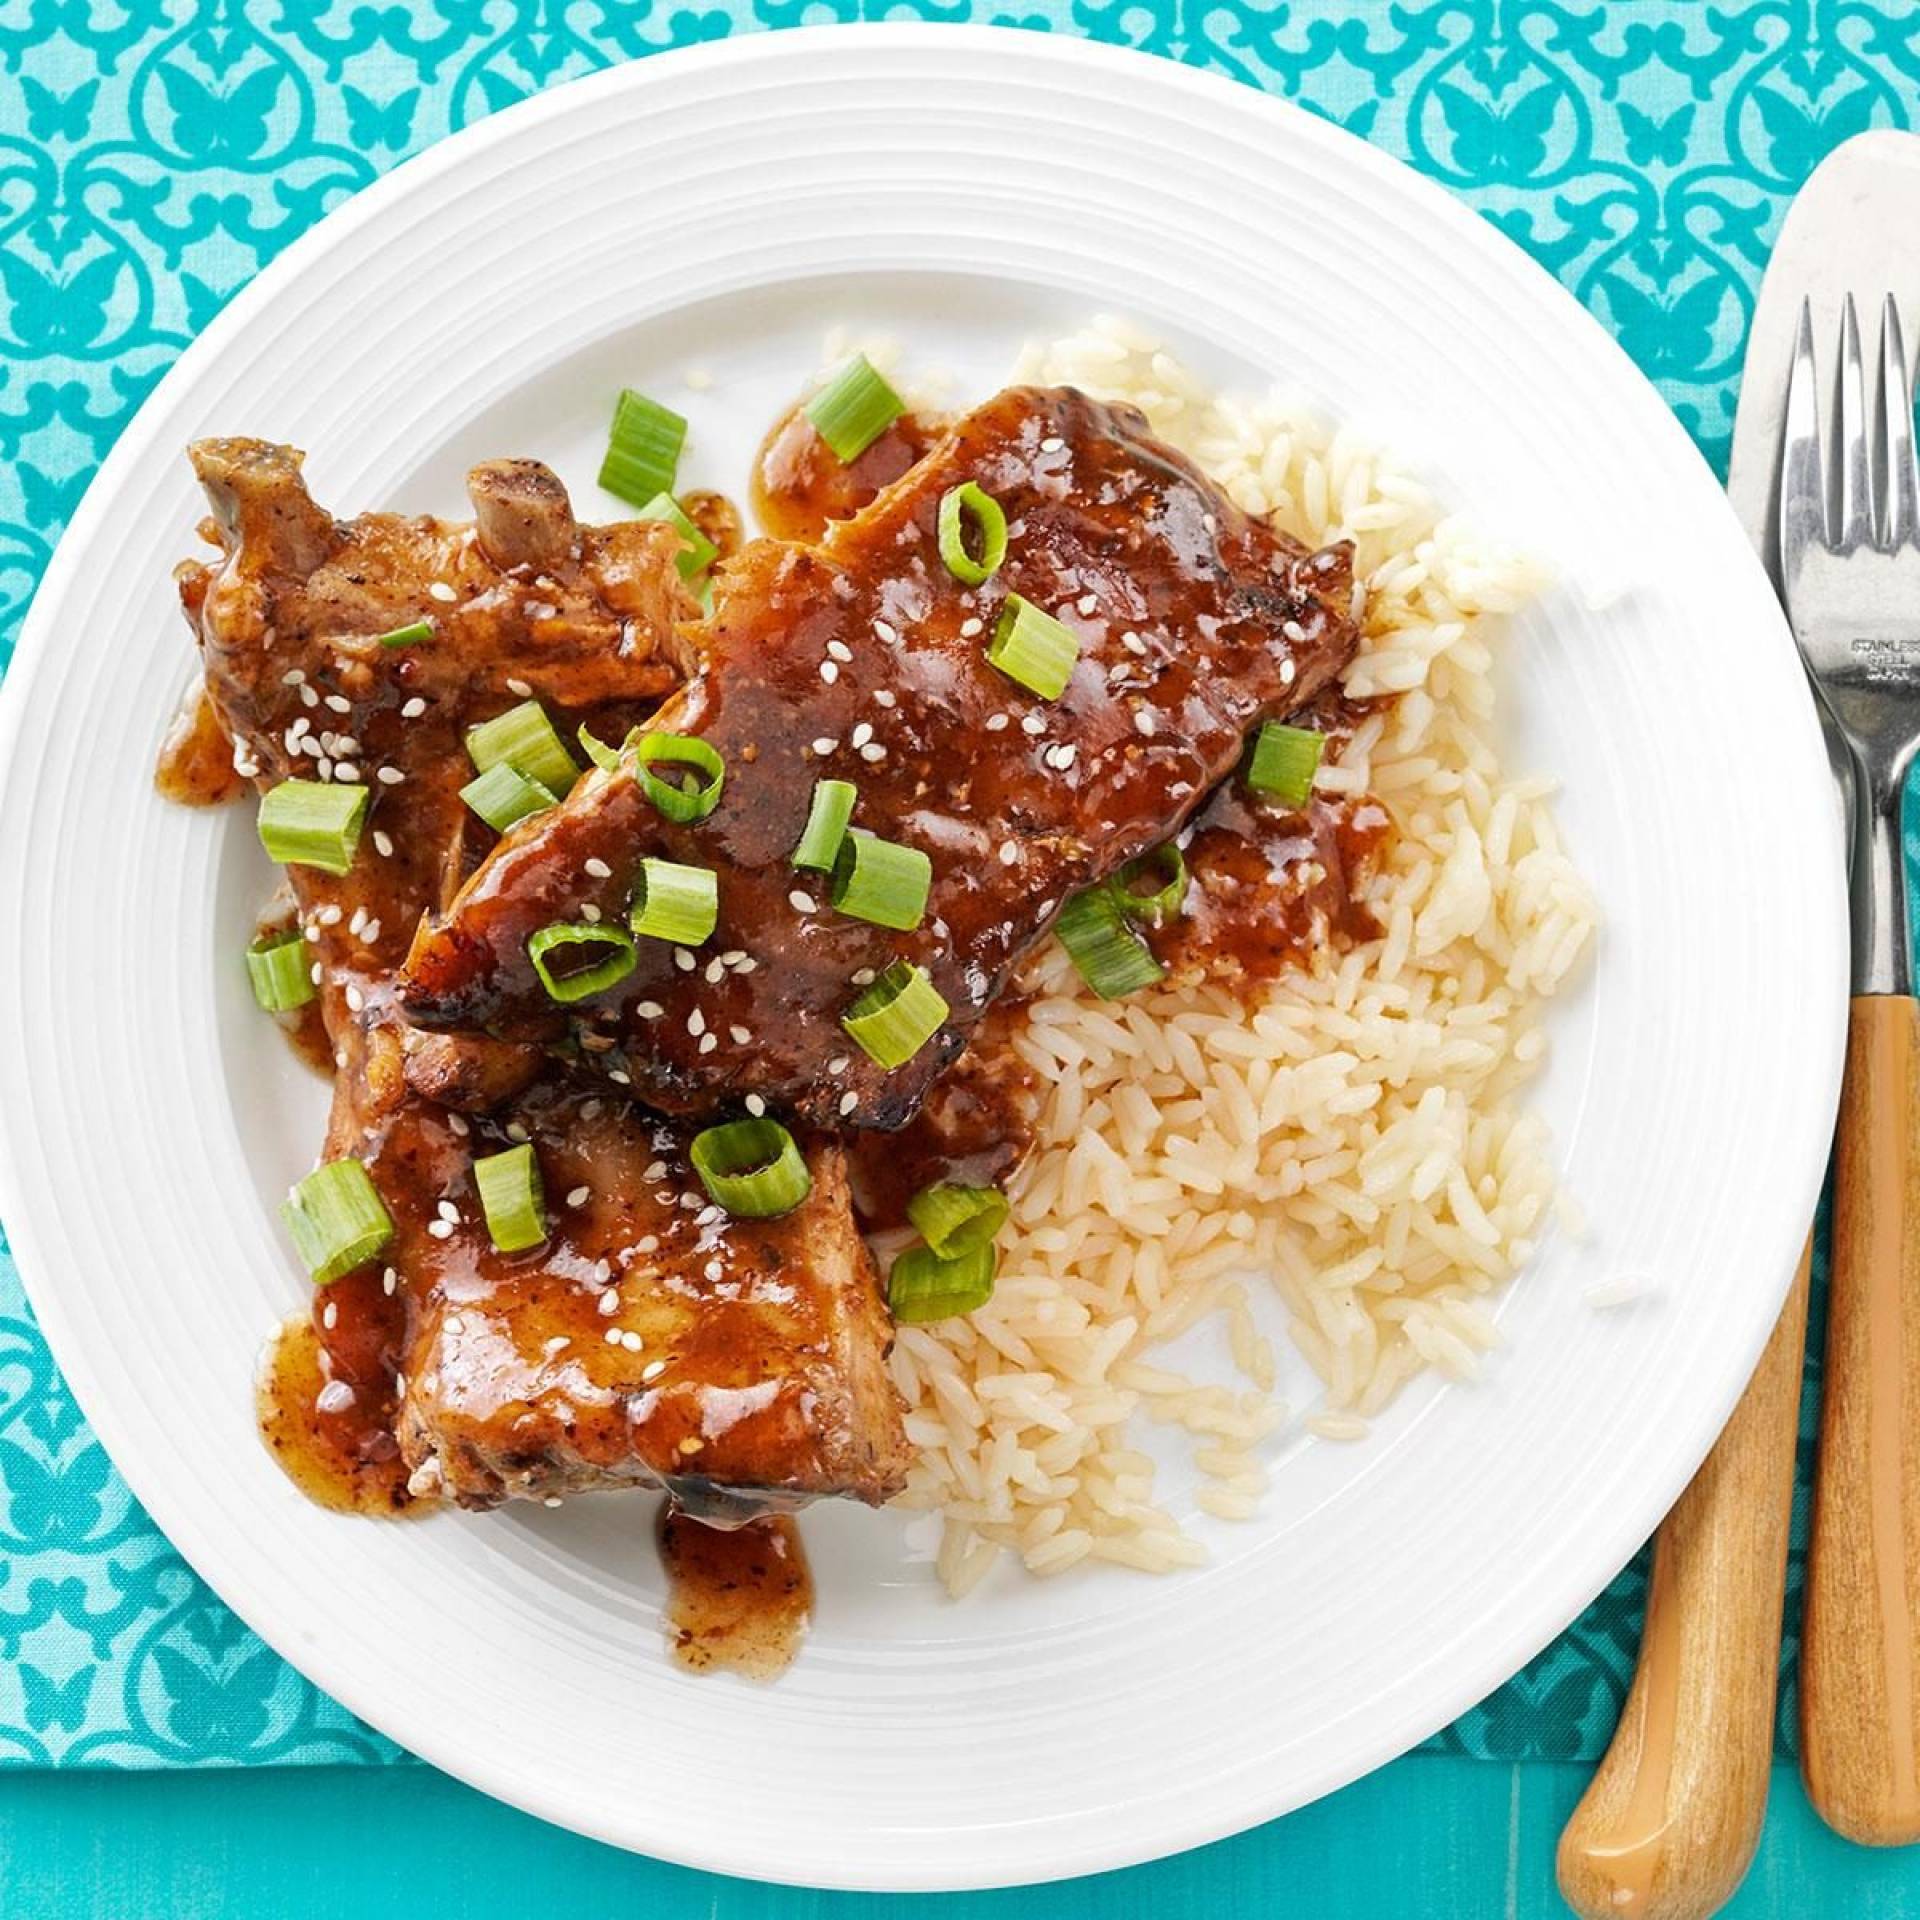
1430, 1838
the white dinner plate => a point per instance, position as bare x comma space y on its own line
962, 189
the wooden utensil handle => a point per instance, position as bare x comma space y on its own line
1860, 1648
1670, 1819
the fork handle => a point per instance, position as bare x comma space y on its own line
1669, 1822
1860, 1648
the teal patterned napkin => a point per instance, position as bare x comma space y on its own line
154, 153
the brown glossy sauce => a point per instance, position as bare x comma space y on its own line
740, 1600
195, 767
717, 517
343, 1458
800, 484
974, 1130
1268, 887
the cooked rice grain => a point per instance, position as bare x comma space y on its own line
1355, 1140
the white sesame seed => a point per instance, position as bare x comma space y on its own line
829, 672
848, 1101
329, 915
1009, 853
610, 1302
684, 960
598, 867
691, 1202
840, 651
579, 1196
861, 734
308, 698
345, 772
755, 1105
873, 753
824, 746
1052, 444
1286, 673
619, 1078
746, 964
336, 1396
382, 844
293, 677
714, 1269
649, 1009
313, 974
969, 627
458, 1122
1293, 630
356, 1000
370, 932
613, 1336
448, 1211
733, 956
656, 1170
553, 1500
440, 1229
708, 1041
883, 697
696, 1023
886, 631
709, 1215
389, 776
1144, 723
1034, 723
588, 911
413, 709
1133, 643
1209, 522
996, 723
324, 768
1063, 757
339, 703
517, 1133
1088, 603
715, 973
558, 1344
864, 978
358, 921
838, 1064
389, 1280
441, 591
742, 1036
653, 1370
454, 1324
517, 686
802, 902
330, 1315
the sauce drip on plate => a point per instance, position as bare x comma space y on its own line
195, 768
800, 484
333, 1439
738, 1600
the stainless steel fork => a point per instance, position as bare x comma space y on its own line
1849, 528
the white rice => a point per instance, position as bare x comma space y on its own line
1354, 1140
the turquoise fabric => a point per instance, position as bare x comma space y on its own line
154, 153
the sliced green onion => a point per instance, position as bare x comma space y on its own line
955, 504
672, 902
524, 739
281, 973
511, 1198
602, 755
1284, 762
408, 636
696, 550
1033, 648
827, 817
923, 1287
896, 1016
312, 823
576, 960
880, 881
1165, 864
689, 798
751, 1167
1112, 958
954, 1220
503, 796
643, 448
336, 1220
854, 408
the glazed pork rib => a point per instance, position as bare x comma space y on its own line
651, 1340
864, 659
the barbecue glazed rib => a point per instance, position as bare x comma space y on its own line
739, 1364
864, 659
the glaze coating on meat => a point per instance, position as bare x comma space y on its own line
649, 1341
864, 659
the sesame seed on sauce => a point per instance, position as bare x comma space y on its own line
653, 1370
610, 1302
969, 627
1133, 643
346, 772
733, 956
997, 722
620, 1079
873, 753
389, 1280
588, 911
848, 1101
1052, 444
413, 709
656, 1170
708, 1041
1061, 757
558, 1344
520, 687
649, 1009
886, 631
358, 921
313, 974
1034, 723
330, 1316
839, 1064
448, 1211
1009, 853
613, 1336
1145, 724
829, 672
802, 902
339, 703
356, 1000
382, 844
517, 1133
755, 1105
442, 592
329, 915
389, 776
1287, 671
308, 698
840, 651
691, 1445
324, 768
1088, 603
745, 966
714, 1269
579, 1196
742, 1036
715, 973
861, 734
696, 1023
598, 867
864, 978
553, 1500
884, 697
293, 677
440, 1229
823, 746
458, 1122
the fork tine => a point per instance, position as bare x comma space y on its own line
1900, 497
1803, 493
1855, 528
